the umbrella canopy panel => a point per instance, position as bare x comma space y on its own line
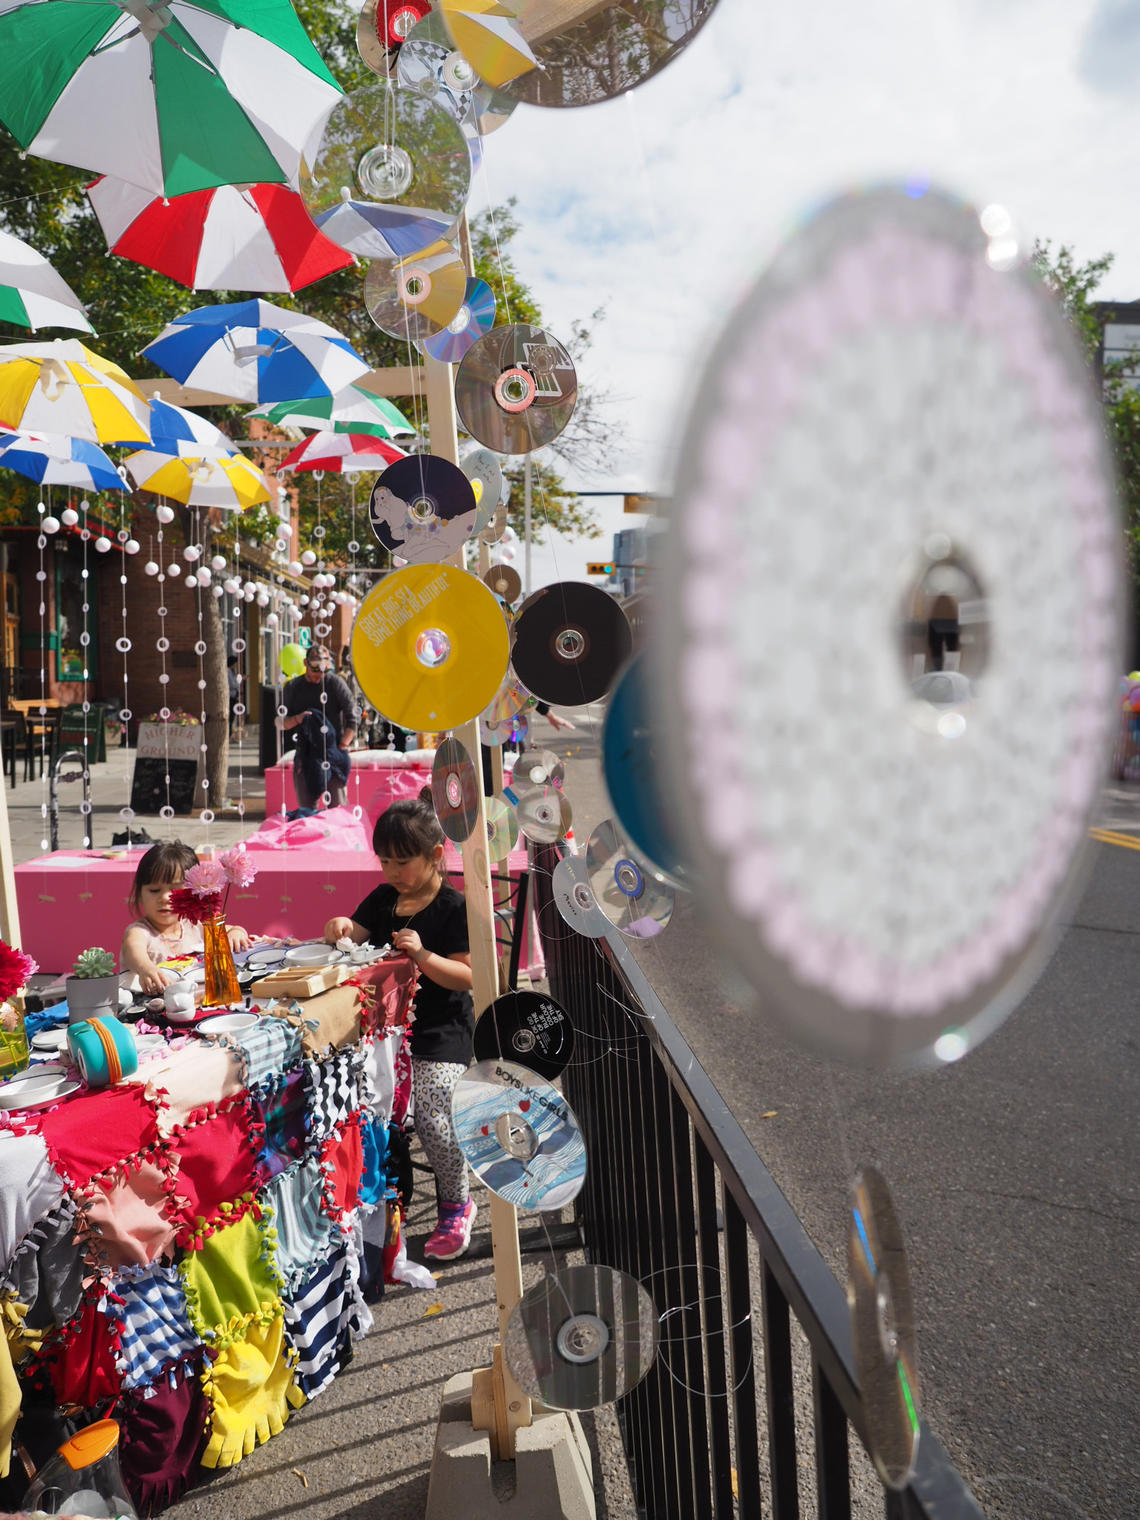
32, 294
63, 387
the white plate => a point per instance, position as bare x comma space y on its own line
35, 1091
50, 1039
314, 955
43, 1068
227, 1023
265, 960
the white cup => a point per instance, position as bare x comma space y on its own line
179, 1000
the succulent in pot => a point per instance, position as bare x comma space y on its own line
93, 986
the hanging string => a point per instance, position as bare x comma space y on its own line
41, 577
123, 646
162, 644
85, 655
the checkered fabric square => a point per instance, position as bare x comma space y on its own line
155, 1328
334, 1092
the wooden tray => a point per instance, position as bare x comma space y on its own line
296, 982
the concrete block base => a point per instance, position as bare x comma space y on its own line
554, 1478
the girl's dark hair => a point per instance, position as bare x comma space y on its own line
162, 863
408, 828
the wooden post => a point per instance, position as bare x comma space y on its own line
9, 904
498, 1404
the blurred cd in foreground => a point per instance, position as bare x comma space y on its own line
570, 641
510, 699
581, 1337
515, 389
429, 647
430, 64
625, 891
454, 790
488, 33
518, 1135
881, 868
381, 28
485, 473
632, 771
543, 812
418, 296
422, 507
504, 581
476, 316
528, 1027
574, 898
541, 767
512, 730
390, 175
882, 1328
502, 830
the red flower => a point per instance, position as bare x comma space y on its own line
15, 969
193, 908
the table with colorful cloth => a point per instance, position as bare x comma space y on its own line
185, 1248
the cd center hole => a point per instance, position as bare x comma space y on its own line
885, 1313
944, 637
523, 1041
570, 644
433, 647
385, 172
422, 509
583, 897
516, 1136
628, 878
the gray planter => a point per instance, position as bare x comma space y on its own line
91, 997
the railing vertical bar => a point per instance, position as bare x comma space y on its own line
708, 1255
742, 1362
832, 1467
782, 1465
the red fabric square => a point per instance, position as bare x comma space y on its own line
216, 1165
100, 1132
342, 1161
82, 1365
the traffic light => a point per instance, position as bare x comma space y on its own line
596, 568
642, 501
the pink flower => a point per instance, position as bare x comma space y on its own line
238, 868
207, 877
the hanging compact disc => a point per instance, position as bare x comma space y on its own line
633, 774
502, 830
570, 641
889, 874
485, 473
543, 812
562, 63
390, 175
574, 898
540, 767
581, 1337
510, 700
513, 730
381, 28
454, 790
625, 889
476, 316
415, 297
882, 1328
527, 1027
515, 389
518, 1135
429, 647
505, 582
422, 508
496, 526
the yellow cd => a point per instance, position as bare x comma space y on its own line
429, 646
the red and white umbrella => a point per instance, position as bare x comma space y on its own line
341, 451
232, 237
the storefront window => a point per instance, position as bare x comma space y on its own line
77, 653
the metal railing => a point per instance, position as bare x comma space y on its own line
676, 1196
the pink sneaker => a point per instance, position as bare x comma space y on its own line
453, 1232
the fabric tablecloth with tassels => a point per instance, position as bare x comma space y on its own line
184, 1249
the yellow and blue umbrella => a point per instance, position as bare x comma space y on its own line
63, 387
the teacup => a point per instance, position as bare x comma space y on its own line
178, 998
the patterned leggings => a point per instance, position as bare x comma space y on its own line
432, 1082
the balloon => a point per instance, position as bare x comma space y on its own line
292, 659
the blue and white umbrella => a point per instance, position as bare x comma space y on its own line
255, 351
57, 460
175, 430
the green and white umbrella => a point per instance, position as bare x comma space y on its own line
349, 410
172, 96
31, 293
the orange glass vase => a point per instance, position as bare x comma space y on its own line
221, 974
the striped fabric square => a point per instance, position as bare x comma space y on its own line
266, 1052
302, 1228
324, 1318
155, 1328
333, 1091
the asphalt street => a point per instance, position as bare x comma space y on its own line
1016, 1173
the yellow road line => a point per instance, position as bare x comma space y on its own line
1110, 836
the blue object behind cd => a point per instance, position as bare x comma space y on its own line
474, 318
632, 773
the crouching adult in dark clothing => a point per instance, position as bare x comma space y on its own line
321, 691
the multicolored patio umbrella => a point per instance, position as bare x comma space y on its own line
231, 237
57, 461
175, 430
63, 387
342, 451
175, 97
31, 293
351, 410
255, 351
233, 482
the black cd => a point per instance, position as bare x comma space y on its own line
581, 1337
570, 641
454, 790
528, 1028
515, 390
422, 508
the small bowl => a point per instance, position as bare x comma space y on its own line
227, 1023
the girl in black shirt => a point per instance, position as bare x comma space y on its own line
420, 914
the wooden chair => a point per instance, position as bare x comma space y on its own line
38, 738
